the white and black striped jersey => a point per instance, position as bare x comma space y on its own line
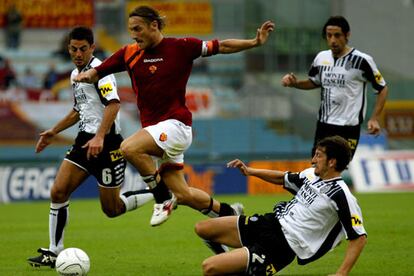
343, 83
319, 215
91, 99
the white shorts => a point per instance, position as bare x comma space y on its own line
173, 137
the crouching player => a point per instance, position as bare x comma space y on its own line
321, 213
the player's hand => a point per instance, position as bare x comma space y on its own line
289, 80
46, 138
374, 127
236, 163
95, 146
264, 31
89, 76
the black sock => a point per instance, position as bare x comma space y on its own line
216, 247
161, 192
225, 210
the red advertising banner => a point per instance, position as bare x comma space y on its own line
398, 118
51, 13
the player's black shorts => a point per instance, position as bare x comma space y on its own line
349, 133
108, 167
268, 249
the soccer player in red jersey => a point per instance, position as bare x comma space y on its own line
159, 68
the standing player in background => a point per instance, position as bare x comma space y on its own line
342, 74
312, 223
95, 152
159, 68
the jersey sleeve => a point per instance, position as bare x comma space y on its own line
349, 213
293, 182
107, 89
113, 64
372, 74
313, 73
210, 48
72, 83
195, 47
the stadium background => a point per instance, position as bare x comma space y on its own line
240, 109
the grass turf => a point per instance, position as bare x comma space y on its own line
128, 245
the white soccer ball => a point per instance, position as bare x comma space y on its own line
72, 261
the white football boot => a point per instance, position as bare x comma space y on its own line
163, 210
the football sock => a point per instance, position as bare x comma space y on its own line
216, 247
58, 217
159, 190
209, 211
225, 210
135, 199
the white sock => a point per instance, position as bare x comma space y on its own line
135, 199
212, 214
58, 218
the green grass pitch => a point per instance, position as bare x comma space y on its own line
128, 245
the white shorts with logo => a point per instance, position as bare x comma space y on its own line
173, 137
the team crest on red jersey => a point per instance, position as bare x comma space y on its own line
152, 69
163, 137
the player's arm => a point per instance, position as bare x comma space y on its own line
46, 137
229, 46
352, 253
271, 176
95, 145
350, 216
373, 75
111, 65
89, 76
290, 80
373, 123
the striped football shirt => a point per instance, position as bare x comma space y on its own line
343, 83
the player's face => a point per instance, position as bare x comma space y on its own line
337, 40
142, 32
320, 162
80, 52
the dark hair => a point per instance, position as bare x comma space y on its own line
81, 33
339, 21
148, 14
337, 148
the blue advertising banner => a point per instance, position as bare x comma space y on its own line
33, 182
216, 179
375, 171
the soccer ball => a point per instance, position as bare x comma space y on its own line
72, 261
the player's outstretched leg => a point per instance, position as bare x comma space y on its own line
136, 199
